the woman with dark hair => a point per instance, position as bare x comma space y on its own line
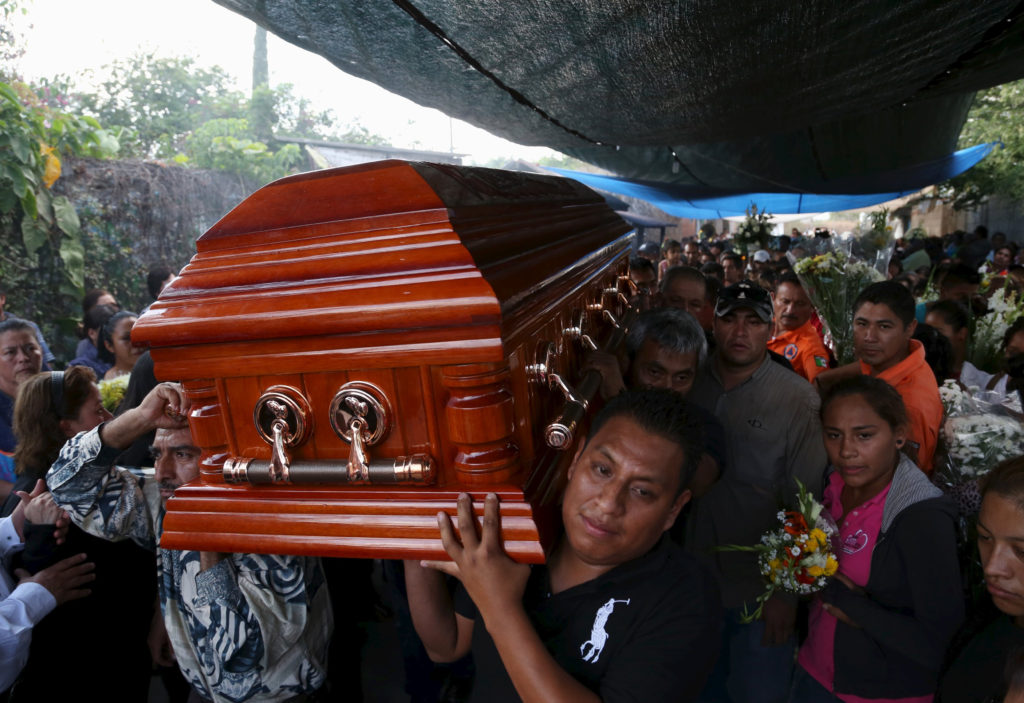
114, 619
115, 344
880, 629
938, 351
89, 329
21, 357
87, 352
986, 666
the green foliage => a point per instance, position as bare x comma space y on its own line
32, 138
161, 101
358, 134
169, 108
225, 145
996, 115
295, 116
11, 45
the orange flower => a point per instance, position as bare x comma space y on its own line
794, 523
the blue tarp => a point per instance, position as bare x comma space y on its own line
699, 203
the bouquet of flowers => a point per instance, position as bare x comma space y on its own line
976, 434
1005, 307
754, 232
112, 391
796, 557
835, 274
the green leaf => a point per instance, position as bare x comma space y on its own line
70, 290
7, 200
9, 94
109, 145
67, 218
22, 148
34, 234
44, 207
73, 255
18, 183
28, 205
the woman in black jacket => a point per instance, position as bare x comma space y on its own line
881, 628
81, 639
992, 661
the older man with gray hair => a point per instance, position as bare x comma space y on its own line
664, 349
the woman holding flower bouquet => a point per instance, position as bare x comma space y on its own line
880, 629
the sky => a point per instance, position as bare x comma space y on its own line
71, 36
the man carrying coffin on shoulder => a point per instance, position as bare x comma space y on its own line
618, 612
243, 627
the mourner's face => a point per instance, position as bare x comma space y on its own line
733, 271
692, 252
792, 306
674, 255
1001, 545
107, 299
655, 366
742, 337
1015, 346
961, 292
175, 458
120, 344
862, 446
623, 493
90, 414
20, 359
644, 279
880, 339
958, 338
685, 294
1002, 258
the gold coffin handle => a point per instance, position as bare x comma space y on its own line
418, 468
560, 433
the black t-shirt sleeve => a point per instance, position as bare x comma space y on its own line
672, 652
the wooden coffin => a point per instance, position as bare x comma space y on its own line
437, 306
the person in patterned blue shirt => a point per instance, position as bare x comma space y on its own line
244, 627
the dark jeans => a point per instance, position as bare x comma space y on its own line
746, 671
806, 689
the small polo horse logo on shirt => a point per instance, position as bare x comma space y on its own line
592, 648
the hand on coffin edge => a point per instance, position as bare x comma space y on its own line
490, 577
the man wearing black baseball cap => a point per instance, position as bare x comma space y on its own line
773, 436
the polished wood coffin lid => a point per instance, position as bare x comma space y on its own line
448, 273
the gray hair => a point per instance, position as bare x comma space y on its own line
682, 272
671, 328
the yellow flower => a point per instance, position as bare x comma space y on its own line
815, 571
831, 566
52, 171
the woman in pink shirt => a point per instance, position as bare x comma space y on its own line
880, 629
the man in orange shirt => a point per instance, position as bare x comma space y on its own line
883, 327
795, 337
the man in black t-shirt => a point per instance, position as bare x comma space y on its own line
618, 613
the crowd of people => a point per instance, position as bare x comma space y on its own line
725, 399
